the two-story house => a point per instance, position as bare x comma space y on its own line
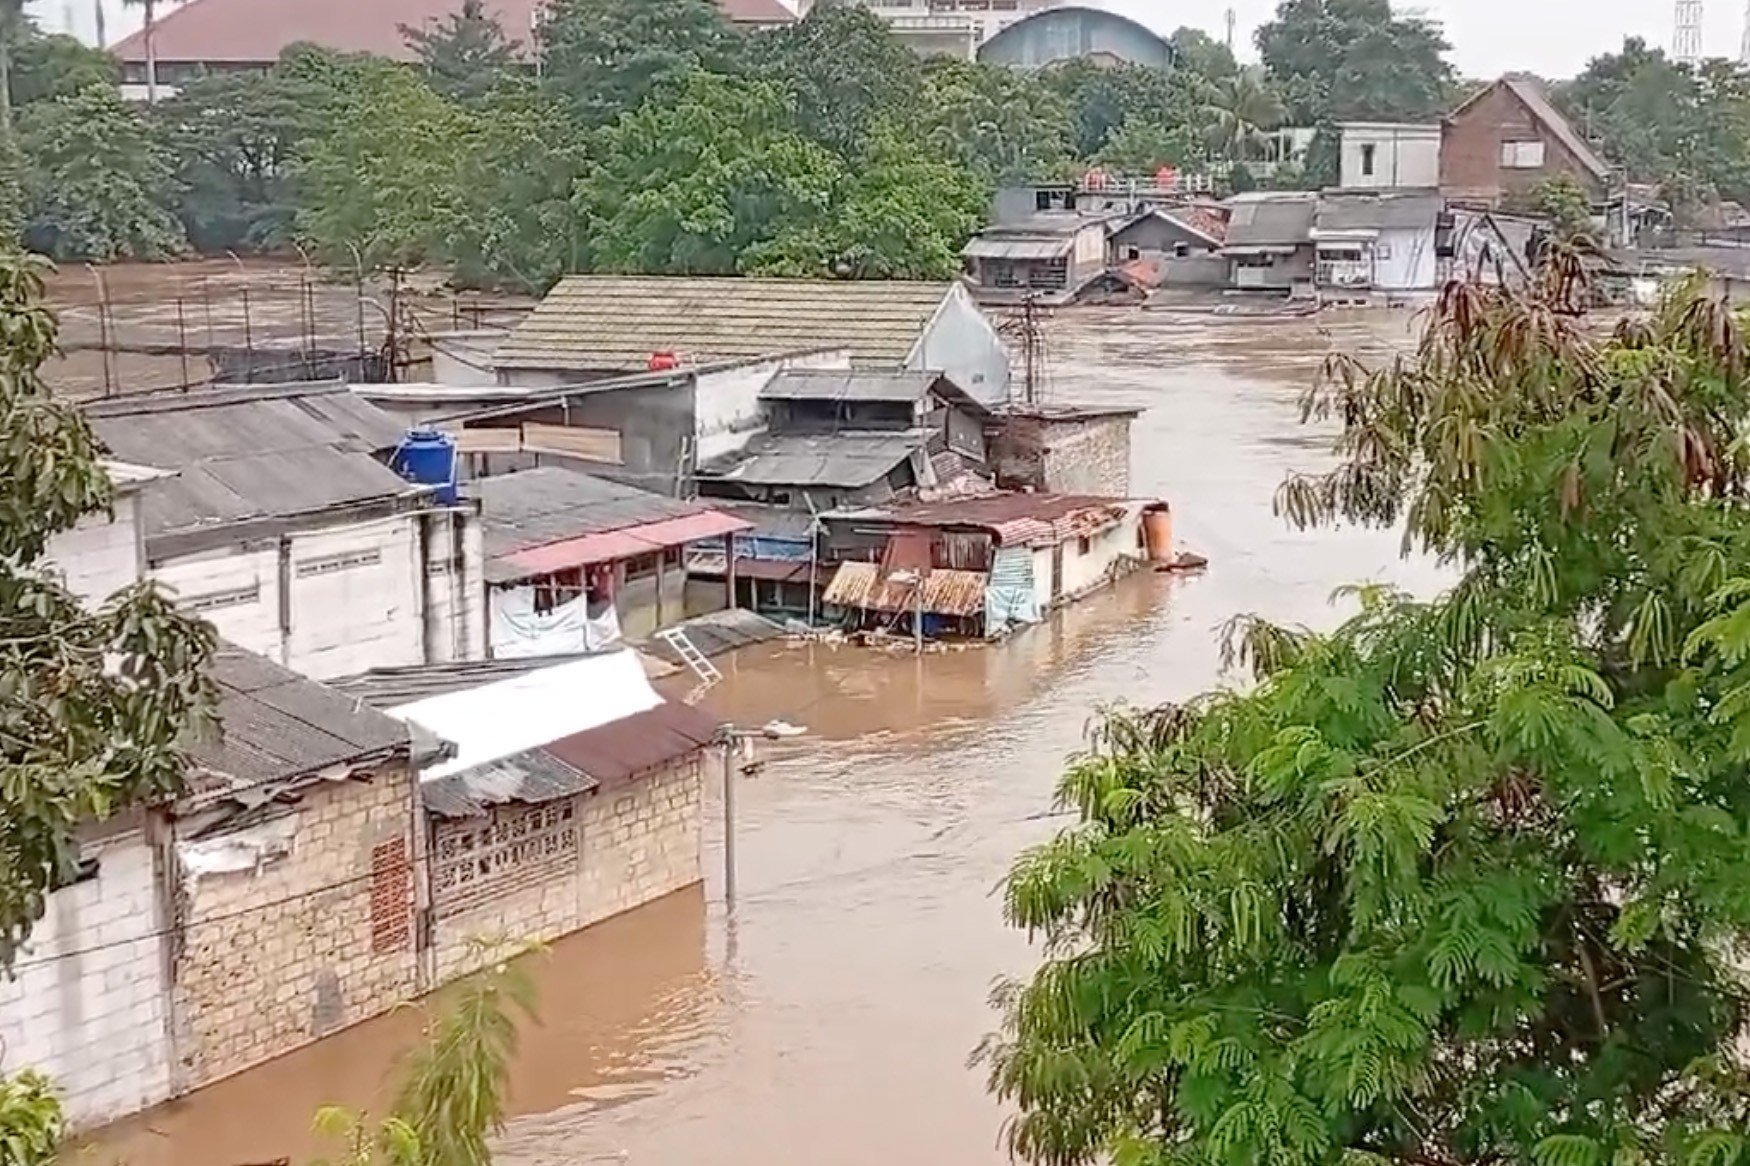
1504, 141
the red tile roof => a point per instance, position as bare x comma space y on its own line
257, 31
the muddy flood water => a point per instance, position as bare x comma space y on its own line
832, 1017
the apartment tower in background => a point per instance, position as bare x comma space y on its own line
1686, 42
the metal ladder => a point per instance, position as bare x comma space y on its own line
691, 656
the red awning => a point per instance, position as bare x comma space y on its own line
609, 545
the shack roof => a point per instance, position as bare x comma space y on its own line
844, 460
945, 591
614, 323
1015, 519
551, 507
277, 726
1357, 211
894, 385
1283, 221
244, 454
1531, 94
258, 31
1202, 222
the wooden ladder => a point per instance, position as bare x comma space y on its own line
691, 656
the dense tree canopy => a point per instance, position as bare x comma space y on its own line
1355, 60
1461, 882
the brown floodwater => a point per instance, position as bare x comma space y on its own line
832, 1016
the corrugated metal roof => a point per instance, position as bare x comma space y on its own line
849, 385
532, 778
278, 725
635, 744
1015, 519
1285, 221
1017, 248
718, 632
844, 460
610, 545
258, 31
1378, 212
773, 522
242, 454
607, 322
946, 592
550, 507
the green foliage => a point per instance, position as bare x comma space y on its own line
94, 705
1120, 112
1668, 123
607, 56
46, 66
1242, 109
96, 184
31, 1123
690, 182
998, 123
900, 214
845, 71
1355, 60
452, 1098
1461, 881
465, 55
1566, 204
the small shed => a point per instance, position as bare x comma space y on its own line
1270, 241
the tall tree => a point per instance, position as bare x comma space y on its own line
692, 179
149, 36
1461, 882
95, 705
466, 54
1001, 124
1345, 60
47, 66
845, 69
97, 184
1243, 108
607, 56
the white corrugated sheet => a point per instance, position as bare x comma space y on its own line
524, 712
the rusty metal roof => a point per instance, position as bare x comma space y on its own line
532, 778
1015, 519
946, 592
636, 744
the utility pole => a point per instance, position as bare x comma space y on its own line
1231, 20
1744, 43
730, 741
917, 614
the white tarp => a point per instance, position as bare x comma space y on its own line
241, 850
510, 716
519, 631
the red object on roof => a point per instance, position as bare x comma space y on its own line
258, 31
630, 542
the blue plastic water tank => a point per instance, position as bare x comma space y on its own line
428, 456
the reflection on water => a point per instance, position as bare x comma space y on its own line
835, 1018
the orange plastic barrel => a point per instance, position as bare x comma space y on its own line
1157, 533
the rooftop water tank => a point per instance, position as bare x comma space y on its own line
428, 456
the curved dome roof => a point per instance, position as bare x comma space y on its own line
1070, 31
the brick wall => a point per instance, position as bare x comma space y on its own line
1470, 152
270, 961
1084, 456
635, 841
86, 1004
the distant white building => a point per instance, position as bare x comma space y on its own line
1389, 156
279, 521
954, 28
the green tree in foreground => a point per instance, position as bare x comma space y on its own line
452, 1098
465, 55
1462, 882
94, 705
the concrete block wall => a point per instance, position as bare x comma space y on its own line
100, 555
641, 839
639, 842
1090, 456
271, 961
87, 1003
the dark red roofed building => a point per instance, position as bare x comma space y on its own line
216, 35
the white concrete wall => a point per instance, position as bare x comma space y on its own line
1403, 156
1404, 260
87, 1004
1084, 572
356, 597
455, 557
961, 342
100, 555
726, 410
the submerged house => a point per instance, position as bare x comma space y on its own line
574, 562
1378, 241
976, 566
276, 516
1049, 256
1178, 246
1270, 242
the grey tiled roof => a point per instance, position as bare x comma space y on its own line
608, 322
278, 726
1362, 212
1272, 222
535, 507
272, 451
